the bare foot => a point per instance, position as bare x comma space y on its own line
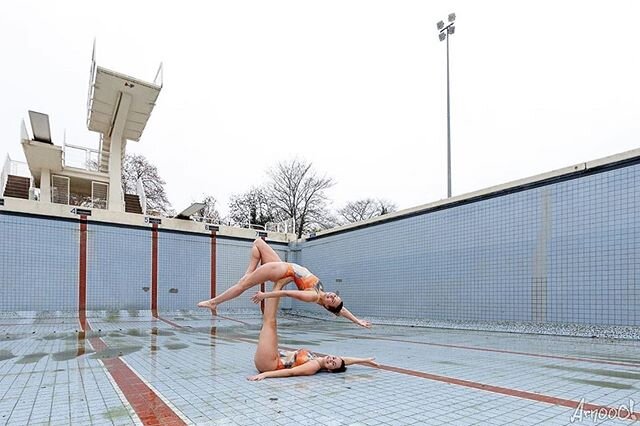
208, 304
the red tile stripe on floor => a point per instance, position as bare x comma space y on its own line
503, 351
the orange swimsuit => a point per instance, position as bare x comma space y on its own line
304, 279
300, 357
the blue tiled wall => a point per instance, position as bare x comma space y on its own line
184, 270
38, 264
563, 252
118, 268
567, 251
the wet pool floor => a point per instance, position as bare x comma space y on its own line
130, 367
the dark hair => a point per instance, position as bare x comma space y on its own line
340, 369
336, 310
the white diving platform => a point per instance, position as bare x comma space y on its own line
106, 101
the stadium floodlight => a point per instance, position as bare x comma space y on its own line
444, 33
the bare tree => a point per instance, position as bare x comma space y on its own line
386, 206
137, 167
356, 211
253, 207
297, 192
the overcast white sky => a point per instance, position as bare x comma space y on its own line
356, 87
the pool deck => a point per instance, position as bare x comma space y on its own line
129, 367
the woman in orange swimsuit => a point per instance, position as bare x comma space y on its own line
274, 269
272, 363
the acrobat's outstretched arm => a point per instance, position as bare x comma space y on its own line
364, 361
306, 369
344, 312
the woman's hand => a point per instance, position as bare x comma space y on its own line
370, 362
364, 323
258, 297
257, 377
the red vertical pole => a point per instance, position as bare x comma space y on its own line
262, 288
82, 286
82, 274
154, 270
213, 265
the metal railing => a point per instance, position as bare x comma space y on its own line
286, 226
81, 157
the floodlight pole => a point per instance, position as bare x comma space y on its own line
444, 33
448, 128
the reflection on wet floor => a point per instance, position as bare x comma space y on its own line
31, 358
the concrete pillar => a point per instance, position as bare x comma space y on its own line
116, 197
116, 202
45, 185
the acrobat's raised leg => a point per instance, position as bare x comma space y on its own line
273, 271
267, 355
261, 252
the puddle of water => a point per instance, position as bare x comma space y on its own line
116, 413
609, 358
116, 352
205, 344
70, 354
133, 313
357, 377
54, 336
112, 316
13, 337
599, 372
135, 332
175, 346
601, 384
31, 358
165, 333
5, 354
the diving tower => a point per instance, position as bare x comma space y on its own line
118, 109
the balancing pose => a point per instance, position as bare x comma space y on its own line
274, 269
272, 363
